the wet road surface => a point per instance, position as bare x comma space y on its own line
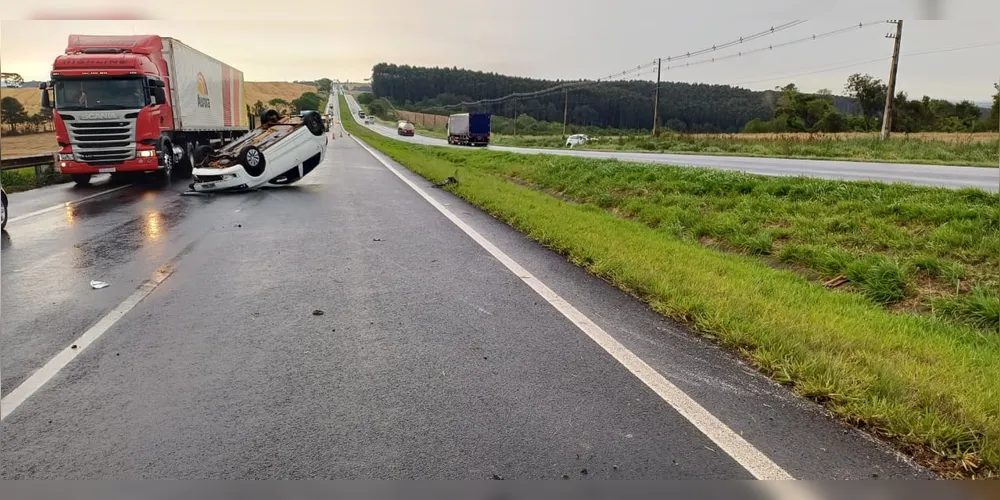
430, 358
956, 177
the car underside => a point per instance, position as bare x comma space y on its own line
281, 151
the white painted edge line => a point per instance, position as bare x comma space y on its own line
68, 203
755, 462
38, 379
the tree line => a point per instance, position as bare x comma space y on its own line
684, 107
308, 101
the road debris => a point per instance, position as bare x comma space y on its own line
497, 477
565, 476
317, 312
836, 282
450, 180
378, 239
584, 472
97, 285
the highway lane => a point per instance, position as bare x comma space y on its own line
28, 204
430, 360
987, 179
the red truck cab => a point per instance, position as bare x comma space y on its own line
110, 106
140, 103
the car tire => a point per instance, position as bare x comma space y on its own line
201, 154
81, 179
3, 212
313, 122
269, 116
252, 160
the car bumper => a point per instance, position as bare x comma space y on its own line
233, 178
70, 167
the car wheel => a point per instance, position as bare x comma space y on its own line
269, 116
252, 160
201, 154
81, 179
3, 210
313, 122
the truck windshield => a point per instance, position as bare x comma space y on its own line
106, 93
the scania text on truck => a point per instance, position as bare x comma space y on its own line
470, 129
141, 103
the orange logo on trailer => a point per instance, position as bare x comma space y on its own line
203, 100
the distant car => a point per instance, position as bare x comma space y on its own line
405, 128
576, 140
361, 114
369, 120
281, 151
3, 209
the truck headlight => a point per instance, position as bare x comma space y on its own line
147, 153
65, 156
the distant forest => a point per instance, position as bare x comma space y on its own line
684, 107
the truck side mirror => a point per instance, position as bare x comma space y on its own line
46, 102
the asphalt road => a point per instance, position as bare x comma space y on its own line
431, 359
926, 175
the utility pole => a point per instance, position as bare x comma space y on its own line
565, 111
515, 117
891, 94
656, 100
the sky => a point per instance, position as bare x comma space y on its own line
553, 39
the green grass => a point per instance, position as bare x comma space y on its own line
927, 382
23, 179
897, 149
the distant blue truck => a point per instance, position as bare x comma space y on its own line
469, 129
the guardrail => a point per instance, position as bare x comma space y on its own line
44, 163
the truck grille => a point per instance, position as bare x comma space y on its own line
102, 142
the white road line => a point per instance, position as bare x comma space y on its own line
38, 379
65, 204
728, 440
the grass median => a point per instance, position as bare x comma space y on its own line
924, 380
972, 151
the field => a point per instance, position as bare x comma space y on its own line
41, 143
903, 341
951, 137
265, 91
30, 98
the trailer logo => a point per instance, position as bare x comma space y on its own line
203, 100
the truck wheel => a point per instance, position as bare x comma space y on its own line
186, 163
167, 161
81, 179
269, 116
313, 122
252, 160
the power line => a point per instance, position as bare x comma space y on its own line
638, 69
840, 31
738, 41
870, 61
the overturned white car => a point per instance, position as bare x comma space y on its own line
281, 151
